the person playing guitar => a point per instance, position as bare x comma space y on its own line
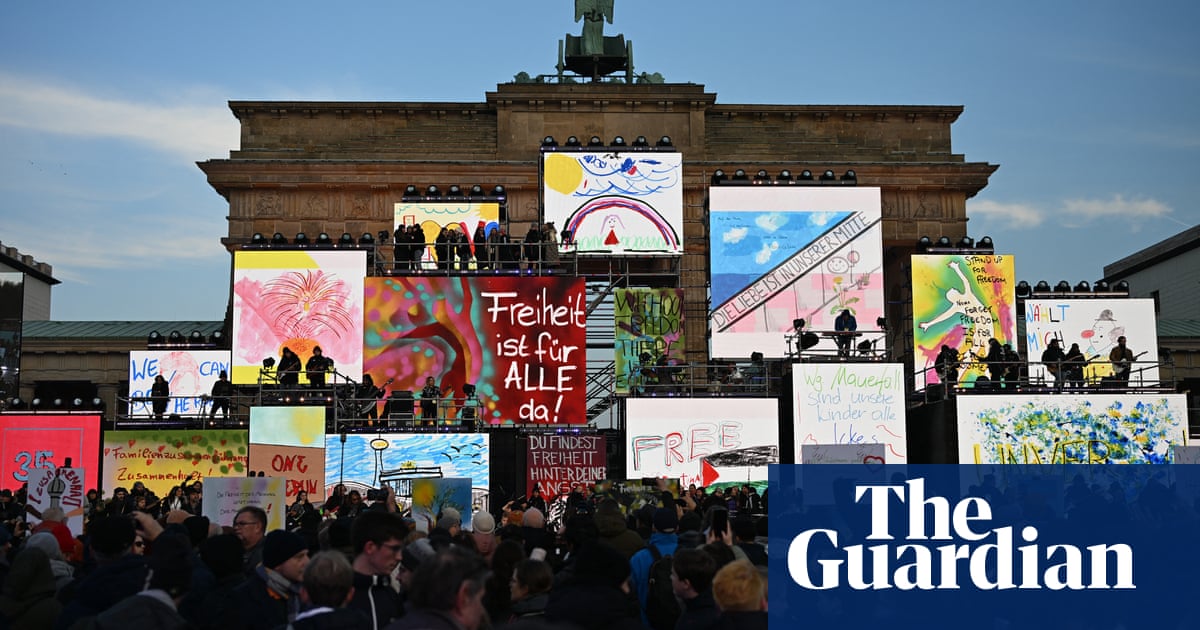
1122, 359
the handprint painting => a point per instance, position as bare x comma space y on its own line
297, 300
785, 254
615, 203
961, 302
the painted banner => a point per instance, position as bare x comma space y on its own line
190, 373
1070, 429
702, 441
961, 301
780, 254
431, 216
64, 488
649, 337
289, 442
430, 496
556, 462
615, 203
46, 441
850, 403
223, 497
163, 459
1094, 324
520, 341
860, 453
297, 299
365, 461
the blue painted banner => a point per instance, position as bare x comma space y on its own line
970, 546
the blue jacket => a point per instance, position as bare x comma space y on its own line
639, 565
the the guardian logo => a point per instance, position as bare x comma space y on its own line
969, 557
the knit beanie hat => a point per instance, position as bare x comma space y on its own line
279, 546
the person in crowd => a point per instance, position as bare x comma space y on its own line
536, 500
317, 367
352, 506
532, 250
250, 526
222, 555
995, 361
743, 535
1054, 358
692, 573
401, 249
334, 502
378, 545
483, 533
549, 236
497, 599
326, 591
270, 596
665, 541
118, 573
1122, 359
368, 396
447, 593
169, 576
534, 531
740, 593
221, 396
176, 500
62, 570
415, 553
529, 589
417, 245
483, 257
845, 327
160, 396
27, 598
288, 369
596, 595
610, 523
304, 519
1013, 367
443, 248
463, 250
1074, 363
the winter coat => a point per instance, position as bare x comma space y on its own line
27, 600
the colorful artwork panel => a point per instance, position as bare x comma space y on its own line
430, 497
223, 497
851, 403
556, 462
301, 468
288, 426
649, 337
520, 341
361, 460
701, 441
28, 442
961, 302
1094, 324
784, 254
462, 216
163, 459
298, 300
615, 203
64, 488
190, 374
1069, 429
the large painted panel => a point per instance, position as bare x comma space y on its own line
1094, 324
785, 253
961, 301
519, 340
289, 443
704, 441
556, 462
297, 299
1071, 429
190, 373
430, 497
64, 488
223, 497
47, 441
850, 403
649, 335
360, 460
462, 216
162, 459
616, 203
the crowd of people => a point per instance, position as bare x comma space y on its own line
452, 249
689, 562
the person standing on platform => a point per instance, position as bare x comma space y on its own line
429, 399
483, 257
844, 328
288, 368
222, 394
1122, 362
160, 396
316, 367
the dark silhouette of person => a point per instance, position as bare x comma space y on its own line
368, 396
1053, 358
160, 396
288, 368
947, 365
1122, 362
222, 393
1073, 364
844, 328
429, 399
316, 367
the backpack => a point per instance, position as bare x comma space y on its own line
662, 608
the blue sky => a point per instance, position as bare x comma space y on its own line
1088, 108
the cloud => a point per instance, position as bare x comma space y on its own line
1017, 215
735, 235
1118, 206
181, 129
1070, 213
821, 218
771, 221
764, 255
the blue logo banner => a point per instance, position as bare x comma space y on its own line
987, 547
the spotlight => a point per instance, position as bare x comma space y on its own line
966, 242
476, 191
154, 338
572, 141
323, 240
549, 142
784, 176
595, 141
1023, 289
16, 403
278, 239
97, 403
664, 142
217, 338
175, 337
1121, 287
346, 240
366, 239
828, 177
433, 191
740, 176
411, 191
761, 177
943, 241
618, 141
77, 403
454, 191
805, 176
1042, 287
1083, 287
301, 239
1062, 287
986, 243
196, 338
718, 177
258, 239
498, 191
58, 403
1101, 286
641, 142
36, 403
268, 363
924, 243
850, 177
